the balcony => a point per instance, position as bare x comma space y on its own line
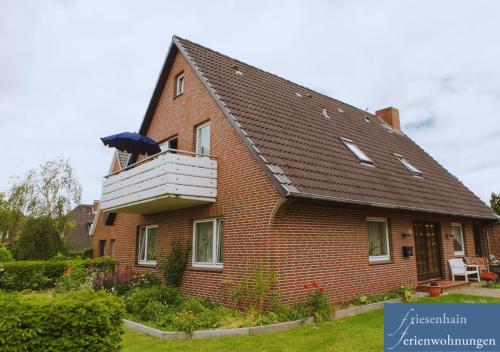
162, 182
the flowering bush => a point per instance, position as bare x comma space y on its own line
317, 304
76, 277
123, 281
488, 275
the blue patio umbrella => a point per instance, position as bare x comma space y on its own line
132, 142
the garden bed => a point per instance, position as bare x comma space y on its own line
257, 330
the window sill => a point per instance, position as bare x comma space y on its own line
459, 254
146, 264
178, 95
218, 266
380, 261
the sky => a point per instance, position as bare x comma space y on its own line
72, 71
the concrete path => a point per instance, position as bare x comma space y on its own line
476, 290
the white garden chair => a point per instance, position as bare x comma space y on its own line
459, 268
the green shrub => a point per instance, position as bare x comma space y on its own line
174, 268
41, 274
5, 255
77, 321
144, 301
87, 253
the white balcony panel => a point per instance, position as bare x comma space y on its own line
169, 181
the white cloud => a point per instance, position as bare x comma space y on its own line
72, 71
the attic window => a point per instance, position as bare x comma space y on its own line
356, 151
414, 171
367, 119
298, 94
340, 110
179, 84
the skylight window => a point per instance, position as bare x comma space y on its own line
414, 171
325, 114
357, 152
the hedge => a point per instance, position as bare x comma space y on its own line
41, 274
77, 321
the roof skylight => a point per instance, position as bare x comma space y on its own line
325, 114
356, 151
414, 171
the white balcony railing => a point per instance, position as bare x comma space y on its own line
169, 180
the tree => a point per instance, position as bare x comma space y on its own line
495, 202
10, 218
44, 197
39, 239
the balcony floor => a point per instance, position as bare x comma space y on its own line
161, 204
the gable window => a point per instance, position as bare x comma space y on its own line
147, 245
102, 248
414, 171
458, 239
169, 144
203, 139
378, 240
89, 228
179, 84
357, 152
207, 243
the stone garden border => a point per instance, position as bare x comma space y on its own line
256, 330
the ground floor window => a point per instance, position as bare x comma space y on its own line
207, 243
458, 239
147, 245
102, 248
378, 239
113, 248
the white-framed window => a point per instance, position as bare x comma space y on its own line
357, 151
208, 237
203, 139
378, 239
89, 228
414, 171
179, 84
170, 143
146, 243
458, 239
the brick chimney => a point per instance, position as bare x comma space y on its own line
391, 116
95, 206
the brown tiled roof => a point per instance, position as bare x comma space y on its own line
299, 146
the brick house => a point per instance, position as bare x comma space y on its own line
82, 216
264, 171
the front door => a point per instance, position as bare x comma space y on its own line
428, 250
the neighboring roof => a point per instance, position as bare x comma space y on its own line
295, 133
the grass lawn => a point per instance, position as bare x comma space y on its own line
360, 333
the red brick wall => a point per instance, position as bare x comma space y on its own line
494, 239
329, 244
300, 240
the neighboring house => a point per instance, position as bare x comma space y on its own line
270, 172
82, 216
